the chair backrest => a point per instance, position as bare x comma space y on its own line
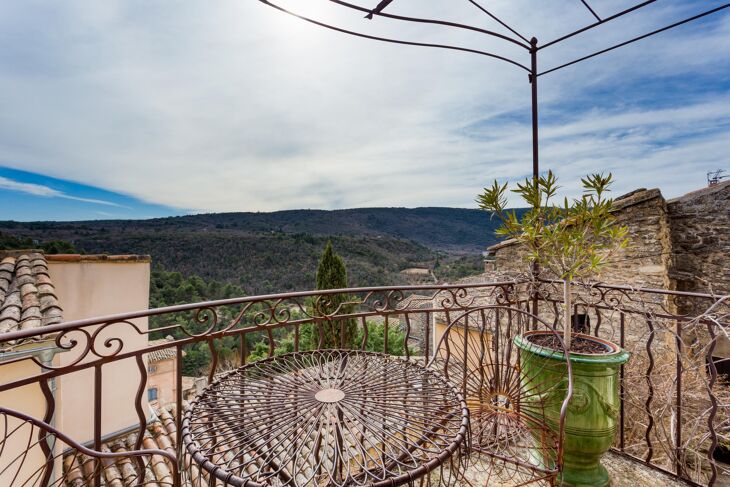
517, 399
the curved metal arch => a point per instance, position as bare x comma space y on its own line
498, 20
434, 21
395, 41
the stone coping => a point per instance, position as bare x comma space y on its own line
127, 258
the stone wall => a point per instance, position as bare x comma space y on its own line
681, 244
644, 261
700, 234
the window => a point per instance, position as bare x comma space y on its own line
151, 369
152, 394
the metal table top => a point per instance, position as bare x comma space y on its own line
327, 418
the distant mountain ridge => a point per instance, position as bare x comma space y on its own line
277, 252
450, 229
438, 228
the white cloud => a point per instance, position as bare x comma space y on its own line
47, 192
233, 106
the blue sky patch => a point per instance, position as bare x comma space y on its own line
27, 196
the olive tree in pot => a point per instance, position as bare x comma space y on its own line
571, 241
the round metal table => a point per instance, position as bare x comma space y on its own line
327, 418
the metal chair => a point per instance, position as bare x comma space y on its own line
517, 400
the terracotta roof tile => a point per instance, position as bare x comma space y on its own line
43, 279
27, 296
11, 310
51, 319
160, 434
48, 301
31, 323
38, 259
7, 325
29, 300
31, 312
74, 475
162, 354
46, 289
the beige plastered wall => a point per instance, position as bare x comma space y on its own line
17, 434
455, 339
86, 288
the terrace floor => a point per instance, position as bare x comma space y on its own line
624, 472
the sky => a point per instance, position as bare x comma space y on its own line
138, 109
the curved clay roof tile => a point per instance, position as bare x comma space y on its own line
31, 312
24, 279
12, 300
28, 288
48, 301
72, 471
51, 320
8, 325
10, 313
22, 270
46, 290
42, 279
30, 323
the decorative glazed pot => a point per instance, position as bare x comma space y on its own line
592, 416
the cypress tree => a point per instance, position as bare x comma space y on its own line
332, 274
331, 271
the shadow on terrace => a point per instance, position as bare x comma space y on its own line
368, 386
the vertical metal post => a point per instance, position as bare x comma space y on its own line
97, 423
535, 157
679, 455
622, 392
533, 82
427, 339
178, 399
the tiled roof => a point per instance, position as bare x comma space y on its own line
414, 302
487, 277
125, 472
27, 296
162, 354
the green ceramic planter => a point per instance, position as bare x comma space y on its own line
592, 414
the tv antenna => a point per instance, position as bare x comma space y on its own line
714, 177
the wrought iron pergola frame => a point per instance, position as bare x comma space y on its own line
531, 45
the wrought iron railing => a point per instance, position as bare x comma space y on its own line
674, 413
